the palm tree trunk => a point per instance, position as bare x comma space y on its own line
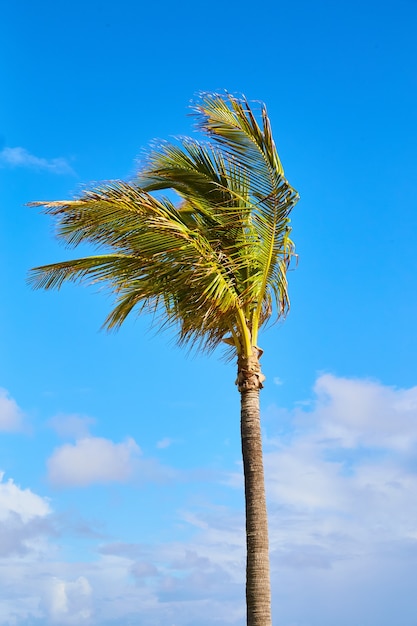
258, 590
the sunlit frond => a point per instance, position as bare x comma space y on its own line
213, 265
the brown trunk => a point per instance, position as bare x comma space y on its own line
258, 592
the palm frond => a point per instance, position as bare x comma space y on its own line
231, 123
212, 265
161, 260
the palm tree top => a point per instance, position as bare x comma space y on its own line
213, 263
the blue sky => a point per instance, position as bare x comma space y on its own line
121, 490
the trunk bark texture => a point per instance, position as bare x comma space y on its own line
258, 590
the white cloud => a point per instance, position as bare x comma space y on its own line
20, 157
343, 500
353, 412
21, 501
351, 453
68, 602
95, 460
33, 583
342, 508
11, 416
92, 460
24, 520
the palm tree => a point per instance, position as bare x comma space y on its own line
213, 265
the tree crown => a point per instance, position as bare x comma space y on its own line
214, 263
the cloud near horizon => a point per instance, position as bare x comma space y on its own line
20, 157
342, 495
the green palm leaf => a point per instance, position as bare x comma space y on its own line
214, 263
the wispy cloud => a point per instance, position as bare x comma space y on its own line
76, 426
21, 501
20, 157
166, 442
